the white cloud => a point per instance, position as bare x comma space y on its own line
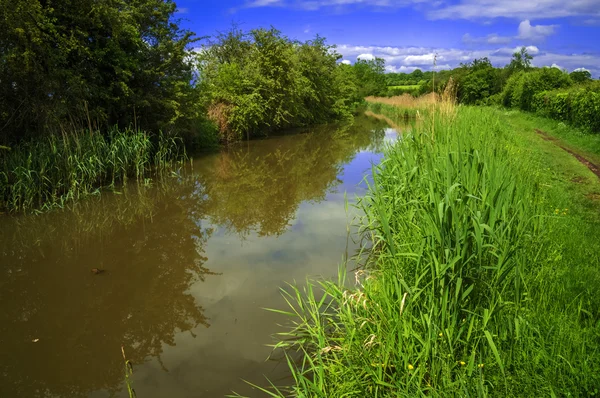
346, 62
521, 9
527, 31
265, 3
580, 70
465, 9
366, 57
313, 5
592, 22
493, 38
406, 59
424, 59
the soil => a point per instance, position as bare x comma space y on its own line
593, 168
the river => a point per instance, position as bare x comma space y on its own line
189, 262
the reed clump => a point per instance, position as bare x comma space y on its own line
52, 171
450, 301
407, 101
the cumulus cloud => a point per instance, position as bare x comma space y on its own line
366, 57
527, 31
346, 62
423, 59
407, 59
400, 69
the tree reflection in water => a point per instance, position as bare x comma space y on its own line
151, 242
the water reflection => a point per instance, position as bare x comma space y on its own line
152, 251
157, 245
259, 188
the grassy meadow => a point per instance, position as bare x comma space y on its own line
482, 276
405, 87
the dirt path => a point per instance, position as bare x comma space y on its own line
593, 168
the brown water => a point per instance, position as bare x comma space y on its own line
190, 263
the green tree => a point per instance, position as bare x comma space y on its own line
102, 62
261, 81
521, 60
581, 76
370, 75
479, 81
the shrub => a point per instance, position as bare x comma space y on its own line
579, 106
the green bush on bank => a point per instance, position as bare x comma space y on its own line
522, 86
579, 106
257, 82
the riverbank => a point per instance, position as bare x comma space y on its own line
55, 170
483, 275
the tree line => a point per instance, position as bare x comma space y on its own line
570, 97
95, 64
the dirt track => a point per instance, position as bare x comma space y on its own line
593, 168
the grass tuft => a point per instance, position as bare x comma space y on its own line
51, 172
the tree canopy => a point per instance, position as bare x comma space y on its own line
101, 62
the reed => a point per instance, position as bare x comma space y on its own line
128, 373
457, 298
407, 101
53, 171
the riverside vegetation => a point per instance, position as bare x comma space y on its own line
572, 98
108, 74
482, 274
79, 81
482, 267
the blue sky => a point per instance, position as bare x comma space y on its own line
407, 33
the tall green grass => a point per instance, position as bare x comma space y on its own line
52, 171
461, 295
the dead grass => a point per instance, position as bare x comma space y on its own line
407, 101
443, 104
219, 114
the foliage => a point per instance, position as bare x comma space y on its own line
581, 76
54, 170
479, 81
93, 62
522, 86
579, 106
262, 81
521, 60
473, 288
371, 77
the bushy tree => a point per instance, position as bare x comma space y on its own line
371, 77
478, 81
261, 81
581, 76
521, 87
521, 60
102, 62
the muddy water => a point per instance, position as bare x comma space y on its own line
188, 263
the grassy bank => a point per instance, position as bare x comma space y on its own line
52, 171
482, 279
